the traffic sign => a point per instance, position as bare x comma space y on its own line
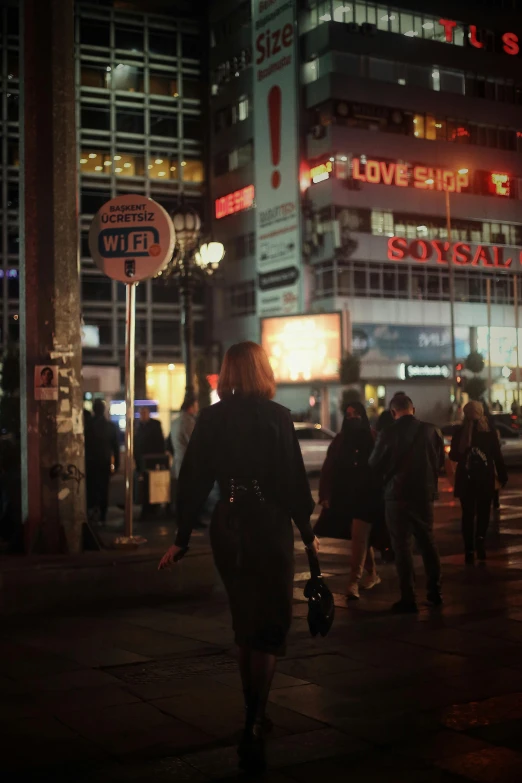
131, 238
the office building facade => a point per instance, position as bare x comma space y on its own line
399, 108
141, 93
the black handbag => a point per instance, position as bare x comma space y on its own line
321, 607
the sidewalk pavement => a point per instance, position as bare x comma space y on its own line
151, 693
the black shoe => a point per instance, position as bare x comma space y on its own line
481, 550
405, 607
435, 598
470, 557
251, 751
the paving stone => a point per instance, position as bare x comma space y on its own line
218, 711
100, 724
313, 745
491, 765
500, 709
508, 733
440, 745
233, 680
179, 668
310, 668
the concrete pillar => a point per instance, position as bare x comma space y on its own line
53, 467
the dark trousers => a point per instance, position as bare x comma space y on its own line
476, 508
98, 478
407, 521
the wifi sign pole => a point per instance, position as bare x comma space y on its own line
276, 146
131, 239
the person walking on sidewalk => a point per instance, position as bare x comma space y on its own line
102, 457
248, 444
409, 455
182, 429
352, 497
475, 448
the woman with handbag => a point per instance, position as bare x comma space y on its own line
352, 497
475, 447
247, 443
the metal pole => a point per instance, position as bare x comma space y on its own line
130, 355
488, 299
452, 300
188, 328
515, 301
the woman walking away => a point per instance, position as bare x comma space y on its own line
247, 443
476, 448
351, 495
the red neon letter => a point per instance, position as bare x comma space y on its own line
387, 172
448, 26
441, 249
498, 257
397, 248
401, 176
510, 41
462, 181
373, 172
356, 171
482, 254
420, 250
461, 254
473, 37
420, 175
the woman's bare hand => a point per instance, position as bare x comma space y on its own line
168, 558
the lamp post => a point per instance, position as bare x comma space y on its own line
451, 286
191, 262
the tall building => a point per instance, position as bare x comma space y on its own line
141, 95
397, 108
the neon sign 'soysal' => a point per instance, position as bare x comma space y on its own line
403, 175
234, 202
459, 253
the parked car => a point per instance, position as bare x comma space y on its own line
510, 441
314, 441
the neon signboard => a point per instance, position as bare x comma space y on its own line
459, 253
404, 175
234, 202
499, 183
321, 172
476, 37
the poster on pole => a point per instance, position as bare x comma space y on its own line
131, 238
46, 382
276, 149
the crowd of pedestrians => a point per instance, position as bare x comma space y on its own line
377, 488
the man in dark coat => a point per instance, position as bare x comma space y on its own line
409, 456
102, 456
148, 441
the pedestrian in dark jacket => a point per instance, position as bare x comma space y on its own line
475, 448
148, 442
102, 456
351, 496
409, 455
248, 444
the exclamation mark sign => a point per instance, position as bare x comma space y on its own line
274, 118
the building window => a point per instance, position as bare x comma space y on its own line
95, 118
128, 38
163, 43
164, 124
95, 76
163, 167
160, 84
192, 171
241, 299
94, 33
128, 121
127, 78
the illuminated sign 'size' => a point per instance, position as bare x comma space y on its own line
403, 175
234, 202
460, 253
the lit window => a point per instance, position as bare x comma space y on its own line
193, 171
163, 167
243, 109
95, 162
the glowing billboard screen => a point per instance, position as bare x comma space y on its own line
303, 348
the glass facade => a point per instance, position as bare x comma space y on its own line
140, 130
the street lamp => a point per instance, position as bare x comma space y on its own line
451, 284
190, 262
